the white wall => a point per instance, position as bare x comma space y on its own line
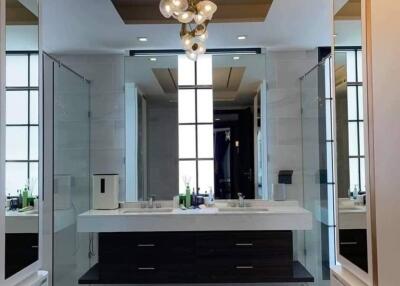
106, 73
385, 25
284, 68
22, 38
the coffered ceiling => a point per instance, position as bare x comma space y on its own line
350, 11
18, 14
95, 26
147, 12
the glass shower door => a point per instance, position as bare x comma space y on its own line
71, 175
318, 181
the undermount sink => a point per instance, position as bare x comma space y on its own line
245, 209
147, 210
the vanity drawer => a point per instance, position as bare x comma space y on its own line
271, 245
137, 273
128, 247
235, 272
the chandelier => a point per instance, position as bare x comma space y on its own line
195, 15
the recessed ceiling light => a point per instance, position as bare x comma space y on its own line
153, 59
236, 58
242, 37
142, 39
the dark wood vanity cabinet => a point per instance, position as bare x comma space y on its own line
21, 250
196, 257
353, 246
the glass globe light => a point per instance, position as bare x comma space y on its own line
185, 17
191, 55
198, 48
179, 5
187, 41
166, 8
203, 37
199, 18
206, 8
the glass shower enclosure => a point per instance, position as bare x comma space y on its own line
318, 175
67, 93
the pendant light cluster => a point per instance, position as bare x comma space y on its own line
195, 15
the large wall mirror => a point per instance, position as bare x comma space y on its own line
185, 130
22, 136
351, 144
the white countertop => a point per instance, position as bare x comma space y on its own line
28, 222
351, 215
22, 222
274, 216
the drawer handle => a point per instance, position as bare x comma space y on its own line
244, 267
35, 246
146, 245
146, 268
349, 243
244, 244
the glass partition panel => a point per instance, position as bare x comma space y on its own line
317, 145
71, 175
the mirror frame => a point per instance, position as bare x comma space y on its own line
371, 276
34, 267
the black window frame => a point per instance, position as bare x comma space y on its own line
29, 89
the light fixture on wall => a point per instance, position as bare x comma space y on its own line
195, 15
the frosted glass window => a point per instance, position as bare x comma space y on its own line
17, 107
204, 70
34, 71
352, 102
16, 143
205, 141
351, 66
360, 103
186, 71
186, 106
34, 178
34, 143
354, 175
34, 107
17, 70
205, 109
359, 66
187, 141
206, 176
362, 145
328, 120
187, 174
353, 139
16, 177
362, 174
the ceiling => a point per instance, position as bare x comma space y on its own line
147, 11
235, 82
18, 14
94, 26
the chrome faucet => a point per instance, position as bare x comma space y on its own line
150, 202
241, 200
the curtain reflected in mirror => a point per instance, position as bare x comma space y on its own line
22, 136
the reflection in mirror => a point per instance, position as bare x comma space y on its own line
22, 136
351, 181
197, 132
